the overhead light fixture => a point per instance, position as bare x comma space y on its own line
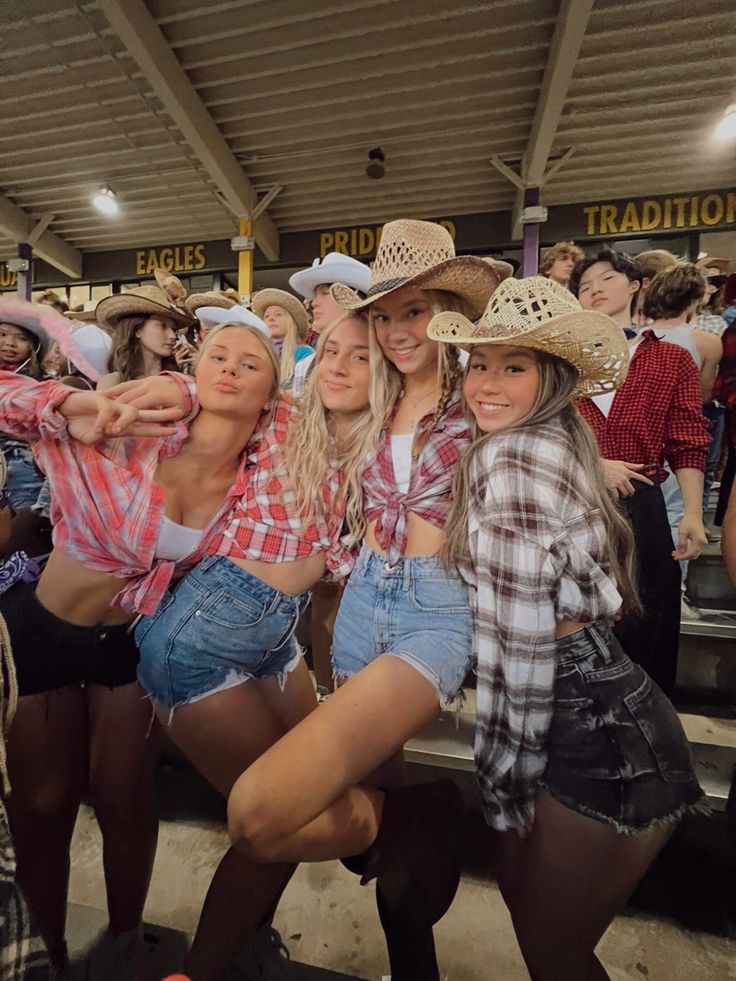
106, 200
375, 168
726, 129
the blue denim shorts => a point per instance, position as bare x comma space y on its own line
616, 750
416, 610
219, 627
24, 480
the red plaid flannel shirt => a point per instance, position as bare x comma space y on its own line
657, 414
106, 508
266, 525
430, 482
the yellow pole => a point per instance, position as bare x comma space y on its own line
245, 264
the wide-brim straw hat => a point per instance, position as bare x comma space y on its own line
334, 268
165, 299
33, 317
422, 254
215, 298
287, 301
540, 314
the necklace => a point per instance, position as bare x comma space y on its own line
415, 403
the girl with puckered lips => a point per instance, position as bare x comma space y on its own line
127, 514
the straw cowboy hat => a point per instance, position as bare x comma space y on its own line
334, 268
217, 316
33, 317
287, 301
224, 299
540, 314
166, 299
422, 254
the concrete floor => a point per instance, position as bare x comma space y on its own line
327, 921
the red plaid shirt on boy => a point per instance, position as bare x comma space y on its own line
656, 415
430, 483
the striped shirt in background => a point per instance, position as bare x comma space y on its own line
539, 554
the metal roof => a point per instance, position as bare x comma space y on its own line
301, 92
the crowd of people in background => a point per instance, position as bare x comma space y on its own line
422, 469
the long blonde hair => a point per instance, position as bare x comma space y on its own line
311, 450
449, 370
292, 339
557, 382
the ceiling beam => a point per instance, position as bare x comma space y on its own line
138, 31
18, 226
570, 28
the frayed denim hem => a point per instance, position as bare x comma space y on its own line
449, 701
231, 680
698, 807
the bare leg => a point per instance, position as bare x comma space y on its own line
325, 602
47, 763
215, 735
123, 755
301, 801
565, 882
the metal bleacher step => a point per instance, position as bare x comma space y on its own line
448, 743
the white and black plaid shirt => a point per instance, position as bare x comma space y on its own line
539, 554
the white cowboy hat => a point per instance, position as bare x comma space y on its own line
540, 314
215, 316
422, 254
334, 268
33, 317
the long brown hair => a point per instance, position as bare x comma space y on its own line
126, 357
557, 382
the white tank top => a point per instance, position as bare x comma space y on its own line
401, 455
683, 337
175, 542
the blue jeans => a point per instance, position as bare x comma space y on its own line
24, 478
716, 416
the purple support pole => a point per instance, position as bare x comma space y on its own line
531, 236
25, 279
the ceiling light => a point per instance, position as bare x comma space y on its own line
726, 129
106, 200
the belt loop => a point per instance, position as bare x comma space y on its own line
408, 574
599, 641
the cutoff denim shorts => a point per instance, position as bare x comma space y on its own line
616, 750
219, 627
416, 610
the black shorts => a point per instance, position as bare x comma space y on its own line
50, 653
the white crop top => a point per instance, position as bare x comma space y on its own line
401, 455
176, 542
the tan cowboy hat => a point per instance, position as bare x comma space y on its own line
85, 314
215, 298
422, 254
165, 299
713, 262
540, 314
287, 301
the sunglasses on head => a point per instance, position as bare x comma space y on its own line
717, 281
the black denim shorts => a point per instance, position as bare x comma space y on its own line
616, 750
50, 653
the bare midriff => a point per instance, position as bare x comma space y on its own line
291, 578
77, 594
423, 538
566, 628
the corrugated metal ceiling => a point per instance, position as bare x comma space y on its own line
302, 91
